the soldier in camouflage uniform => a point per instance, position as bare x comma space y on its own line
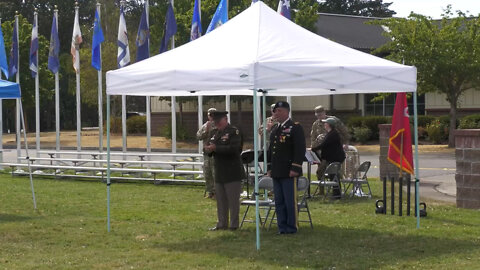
318, 133
204, 134
271, 121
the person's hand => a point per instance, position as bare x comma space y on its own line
293, 174
269, 124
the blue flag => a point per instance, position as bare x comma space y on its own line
97, 39
196, 30
220, 17
123, 52
170, 28
143, 35
284, 8
34, 49
3, 55
53, 61
254, 1
13, 64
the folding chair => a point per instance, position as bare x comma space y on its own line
330, 179
248, 162
302, 204
359, 179
265, 183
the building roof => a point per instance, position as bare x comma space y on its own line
351, 31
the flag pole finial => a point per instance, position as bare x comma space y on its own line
56, 7
76, 4
16, 13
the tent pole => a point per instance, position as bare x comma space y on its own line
417, 166
108, 163
26, 152
124, 126
289, 100
200, 121
264, 134
174, 124
227, 108
255, 156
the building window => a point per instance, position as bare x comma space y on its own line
385, 107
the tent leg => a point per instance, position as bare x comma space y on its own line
417, 166
108, 163
26, 152
255, 149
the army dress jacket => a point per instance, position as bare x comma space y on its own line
287, 149
228, 164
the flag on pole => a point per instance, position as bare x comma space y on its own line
254, 1
143, 36
123, 54
196, 30
53, 61
220, 17
284, 8
13, 64
170, 28
97, 39
34, 49
3, 55
400, 142
76, 40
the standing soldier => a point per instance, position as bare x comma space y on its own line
271, 121
204, 134
286, 154
226, 146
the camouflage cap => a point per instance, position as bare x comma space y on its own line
211, 110
319, 109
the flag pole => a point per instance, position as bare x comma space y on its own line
57, 98
124, 115
18, 100
174, 109
1, 117
148, 98
100, 95
200, 121
37, 94
79, 102
255, 156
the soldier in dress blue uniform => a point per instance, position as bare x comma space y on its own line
286, 154
226, 146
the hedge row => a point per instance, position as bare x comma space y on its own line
364, 128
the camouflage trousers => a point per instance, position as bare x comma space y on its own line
209, 174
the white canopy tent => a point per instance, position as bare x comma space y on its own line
260, 50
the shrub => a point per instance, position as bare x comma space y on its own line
137, 124
470, 121
115, 125
436, 131
182, 132
362, 134
422, 132
424, 120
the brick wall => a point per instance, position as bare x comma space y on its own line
467, 176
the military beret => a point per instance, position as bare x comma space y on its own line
281, 104
211, 110
331, 121
217, 115
319, 109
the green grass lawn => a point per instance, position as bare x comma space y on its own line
165, 227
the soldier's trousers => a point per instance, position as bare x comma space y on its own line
285, 190
228, 202
208, 174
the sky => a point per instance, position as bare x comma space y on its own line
432, 8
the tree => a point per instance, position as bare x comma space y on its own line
368, 8
446, 54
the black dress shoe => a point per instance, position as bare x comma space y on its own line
232, 229
216, 229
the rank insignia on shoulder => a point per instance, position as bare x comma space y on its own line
237, 131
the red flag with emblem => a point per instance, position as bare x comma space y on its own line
400, 142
